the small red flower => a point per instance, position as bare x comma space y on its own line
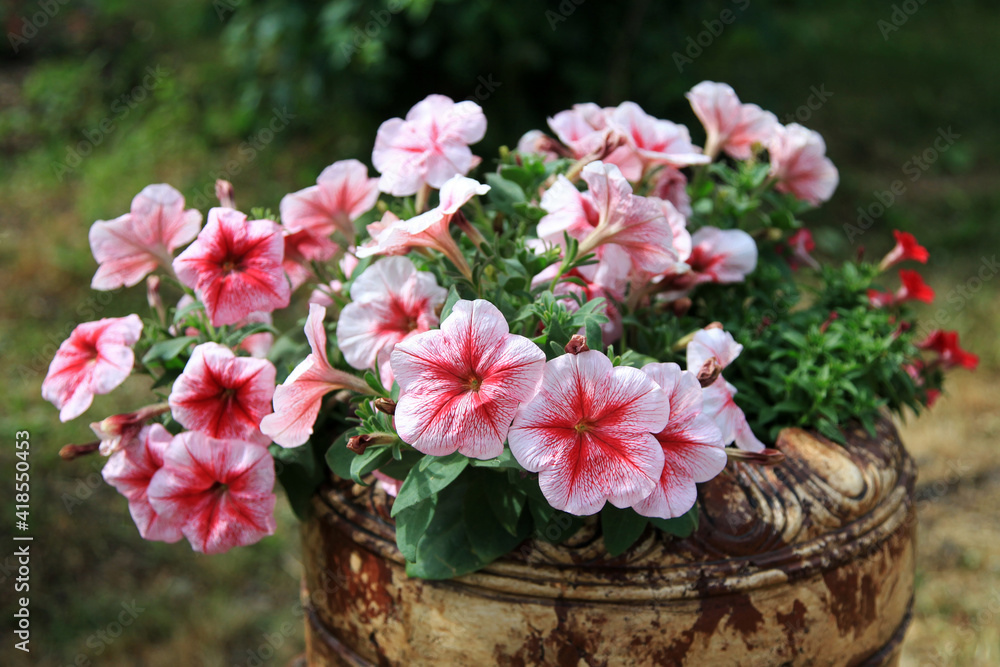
906, 248
913, 289
801, 243
235, 266
950, 354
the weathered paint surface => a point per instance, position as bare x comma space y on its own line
807, 563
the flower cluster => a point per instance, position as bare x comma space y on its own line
512, 345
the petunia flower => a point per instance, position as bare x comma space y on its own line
950, 354
222, 395
583, 129
800, 166
390, 302
693, 450
588, 432
298, 399
130, 471
343, 192
219, 491
671, 184
96, 358
731, 126
235, 267
654, 141
461, 385
429, 147
609, 214
302, 248
913, 289
717, 256
801, 243
719, 346
906, 248
427, 230
132, 246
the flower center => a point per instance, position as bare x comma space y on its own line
582, 427
219, 488
230, 265
474, 382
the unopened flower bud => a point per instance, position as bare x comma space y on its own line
359, 443
713, 325
576, 345
710, 372
70, 452
154, 298
386, 405
681, 306
119, 431
224, 193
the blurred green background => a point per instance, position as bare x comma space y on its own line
99, 98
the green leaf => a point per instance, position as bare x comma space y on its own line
506, 501
166, 350
449, 302
681, 526
411, 524
621, 528
371, 460
339, 457
444, 551
504, 194
430, 476
487, 535
299, 474
505, 460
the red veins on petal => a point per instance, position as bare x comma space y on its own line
461, 385
222, 395
96, 358
235, 266
588, 432
219, 491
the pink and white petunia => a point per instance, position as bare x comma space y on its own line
800, 244
343, 192
719, 405
222, 395
588, 432
717, 256
130, 471
671, 184
716, 344
429, 147
693, 449
800, 166
729, 417
390, 302
96, 358
430, 229
298, 399
302, 248
654, 141
132, 246
609, 214
235, 266
583, 129
461, 385
731, 126
219, 491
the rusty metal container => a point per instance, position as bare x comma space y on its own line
810, 562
